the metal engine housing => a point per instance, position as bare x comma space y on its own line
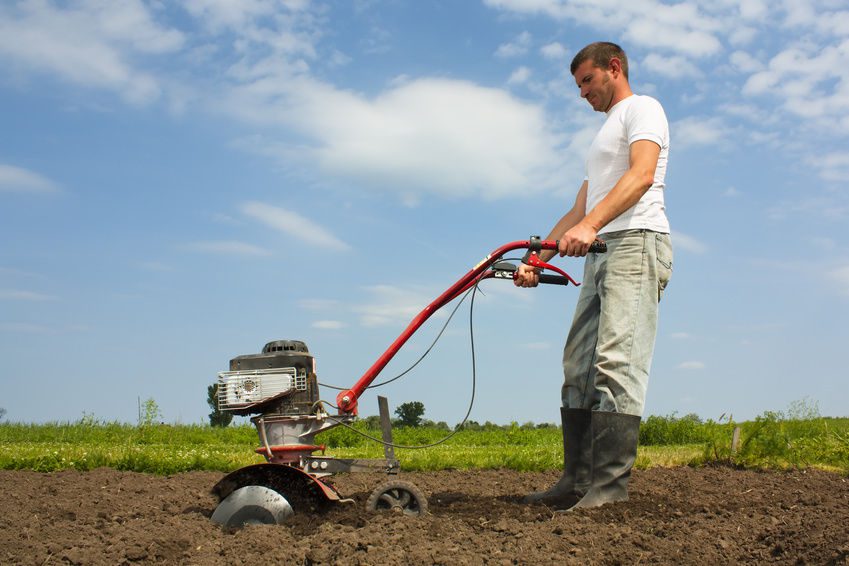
281, 380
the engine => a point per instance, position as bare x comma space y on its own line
280, 380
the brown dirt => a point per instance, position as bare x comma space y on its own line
680, 516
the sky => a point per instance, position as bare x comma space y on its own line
182, 182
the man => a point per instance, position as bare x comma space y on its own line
609, 349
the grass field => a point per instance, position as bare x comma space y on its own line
774, 440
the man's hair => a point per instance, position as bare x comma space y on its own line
600, 53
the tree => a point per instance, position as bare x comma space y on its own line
371, 422
2, 413
410, 413
217, 417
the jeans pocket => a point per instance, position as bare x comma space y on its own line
664, 262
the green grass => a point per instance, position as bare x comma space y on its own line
775, 440
162, 449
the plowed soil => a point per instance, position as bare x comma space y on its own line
675, 516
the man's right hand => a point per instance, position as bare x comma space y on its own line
526, 276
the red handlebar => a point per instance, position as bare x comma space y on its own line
347, 400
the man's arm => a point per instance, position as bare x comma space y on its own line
626, 193
528, 276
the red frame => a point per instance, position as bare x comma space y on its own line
347, 400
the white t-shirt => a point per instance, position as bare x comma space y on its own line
634, 118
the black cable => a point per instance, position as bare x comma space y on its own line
459, 427
423, 356
472, 346
438, 336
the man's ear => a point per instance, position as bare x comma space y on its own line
615, 66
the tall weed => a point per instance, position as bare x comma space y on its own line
797, 438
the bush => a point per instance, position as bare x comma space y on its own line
672, 430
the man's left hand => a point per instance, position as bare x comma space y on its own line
577, 240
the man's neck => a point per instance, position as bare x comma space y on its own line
619, 96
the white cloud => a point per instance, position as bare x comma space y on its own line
18, 295
673, 66
692, 365
681, 28
554, 51
817, 16
294, 224
680, 335
806, 75
745, 63
448, 137
832, 166
653, 32
328, 324
452, 138
218, 14
688, 243
697, 131
519, 46
222, 218
391, 305
283, 26
226, 248
553, 8
753, 9
840, 277
742, 35
91, 43
377, 41
519, 76
16, 179
811, 81
757, 115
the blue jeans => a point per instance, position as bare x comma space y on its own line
608, 353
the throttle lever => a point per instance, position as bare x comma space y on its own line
533, 260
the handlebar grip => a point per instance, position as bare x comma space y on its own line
553, 279
598, 247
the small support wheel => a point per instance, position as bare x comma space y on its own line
399, 497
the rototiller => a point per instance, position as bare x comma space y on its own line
280, 388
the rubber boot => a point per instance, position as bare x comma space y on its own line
577, 462
614, 441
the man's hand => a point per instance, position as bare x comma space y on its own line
526, 276
577, 240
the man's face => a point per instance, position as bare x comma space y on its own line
595, 85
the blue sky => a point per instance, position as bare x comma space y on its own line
181, 182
